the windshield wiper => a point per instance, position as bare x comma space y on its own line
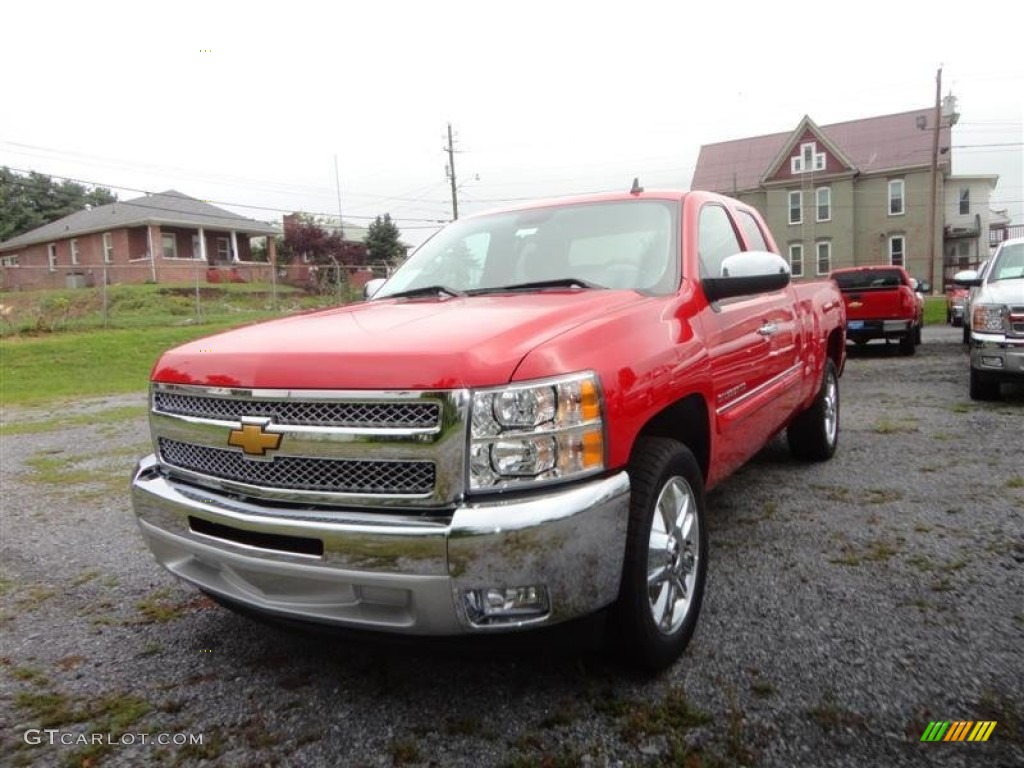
426, 290
562, 282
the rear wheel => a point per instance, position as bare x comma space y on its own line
666, 555
982, 388
907, 345
814, 434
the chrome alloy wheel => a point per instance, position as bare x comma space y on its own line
830, 403
673, 553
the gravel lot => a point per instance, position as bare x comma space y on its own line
848, 604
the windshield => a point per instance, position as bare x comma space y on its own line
628, 244
1009, 265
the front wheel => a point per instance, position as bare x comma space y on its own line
814, 434
666, 555
981, 388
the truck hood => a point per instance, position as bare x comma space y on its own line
1009, 291
430, 343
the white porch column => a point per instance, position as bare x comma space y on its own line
234, 247
202, 245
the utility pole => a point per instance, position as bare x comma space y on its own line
337, 186
935, 178
450, 172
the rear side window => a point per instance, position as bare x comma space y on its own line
864, 281
716, 240
751, 232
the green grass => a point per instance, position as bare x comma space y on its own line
57, 345
107, 416
934, 310
74, 365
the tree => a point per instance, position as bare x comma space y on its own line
382, 241
28, 202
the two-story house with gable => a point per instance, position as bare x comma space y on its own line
845, 194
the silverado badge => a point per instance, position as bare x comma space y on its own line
254, 439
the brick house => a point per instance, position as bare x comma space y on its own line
165, 237
848, 194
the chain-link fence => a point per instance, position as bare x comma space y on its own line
43, 299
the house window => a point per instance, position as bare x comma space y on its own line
809, 159
796, 204
965, 201
824, 250
74, 252
796, 259
108, 247
51, 256
897, 251
169, 243
896, 197
223, 249
9, 261
965, 248
824, 203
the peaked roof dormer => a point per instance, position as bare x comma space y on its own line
807, 150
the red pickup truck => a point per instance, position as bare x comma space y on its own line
518, 429
882, 302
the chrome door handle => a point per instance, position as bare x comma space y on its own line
768, 329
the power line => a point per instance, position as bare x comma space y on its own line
28, 182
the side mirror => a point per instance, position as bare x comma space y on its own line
967, 279
372, 286
748, 273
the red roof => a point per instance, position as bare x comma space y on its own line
871, 144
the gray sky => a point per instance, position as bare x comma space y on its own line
248, 103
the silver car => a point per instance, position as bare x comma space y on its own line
996, 320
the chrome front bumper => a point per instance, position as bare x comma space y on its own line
385, 571
997, 356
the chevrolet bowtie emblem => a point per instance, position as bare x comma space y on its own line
254, 439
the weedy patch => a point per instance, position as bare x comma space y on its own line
762, 688
959, 408
833, 492
1015, 482
405, 751
887, 426
882, 495
108, 416
30, 675
160, 606
566, 714
673, 714
84, 578
831, 717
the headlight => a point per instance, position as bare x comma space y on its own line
989, 318
536, 431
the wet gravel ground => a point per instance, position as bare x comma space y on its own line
848, 605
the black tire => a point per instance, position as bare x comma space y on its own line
966, 333
814, 434
949, 317
907, 345
917, 335
666, 481
982, 388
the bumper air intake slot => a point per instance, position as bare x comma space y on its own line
296, 545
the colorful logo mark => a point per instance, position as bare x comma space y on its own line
958, 730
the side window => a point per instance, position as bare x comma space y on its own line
717, 240
751, 232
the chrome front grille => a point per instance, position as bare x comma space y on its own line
303, 474
370, 449
362, 415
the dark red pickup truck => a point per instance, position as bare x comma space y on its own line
882, 302
518, 429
